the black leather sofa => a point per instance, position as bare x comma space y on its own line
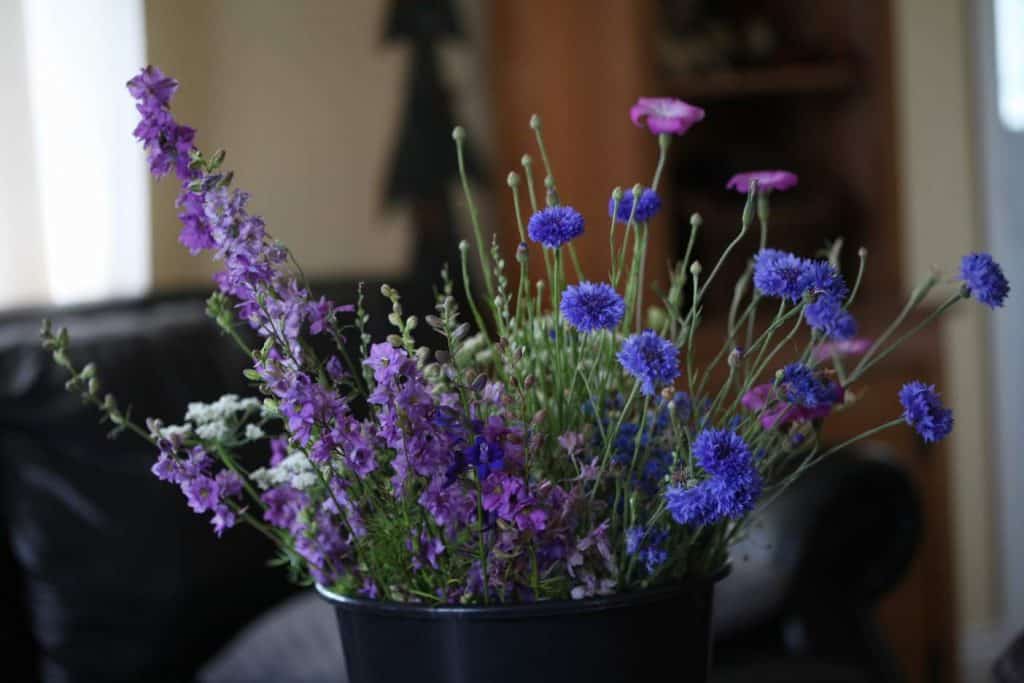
109, 577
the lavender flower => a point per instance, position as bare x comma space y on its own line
646, 208
651, 359
777, 180
555, 226
665, 115
923, 411
984, 280
592, 306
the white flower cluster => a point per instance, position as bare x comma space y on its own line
224, 408
172, 431
217, 421
295, 470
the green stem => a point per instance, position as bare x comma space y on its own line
946, 305
459, 136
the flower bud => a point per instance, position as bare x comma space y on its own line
735, 356
458, 133
479, 382
695, 268
526, 161
394, 340
422, 355
463, 246
434, 322
696, 220
513, 179
385, 291
535, 122
748, 208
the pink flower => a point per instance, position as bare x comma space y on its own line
766, 180
665, 114
848, 347
778, 413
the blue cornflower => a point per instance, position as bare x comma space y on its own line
692, 506
715, 499
721, 452
781, 274
625, 443
735, 495
555, 225
802, 387
647, 545
646, 208
823, 278
827, 315
591, 306
923, 411
651, 359
984, 279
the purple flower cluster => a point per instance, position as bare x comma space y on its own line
192, 471
646, 208
168, 144
592, 306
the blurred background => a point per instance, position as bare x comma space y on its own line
901, 117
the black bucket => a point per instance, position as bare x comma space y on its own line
623, 638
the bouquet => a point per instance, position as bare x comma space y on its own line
554, 440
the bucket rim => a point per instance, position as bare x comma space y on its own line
520, 610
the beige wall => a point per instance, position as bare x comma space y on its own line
941, 220
304, 96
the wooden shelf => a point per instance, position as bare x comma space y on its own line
787, 79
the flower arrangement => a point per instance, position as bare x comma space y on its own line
561, 441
